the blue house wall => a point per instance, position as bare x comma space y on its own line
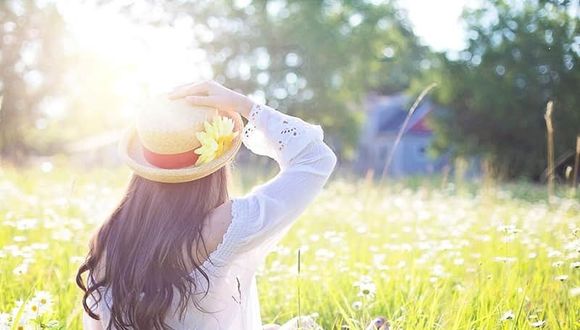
385, 116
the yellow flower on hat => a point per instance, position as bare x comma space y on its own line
215, 140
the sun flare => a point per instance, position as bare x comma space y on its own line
138, 58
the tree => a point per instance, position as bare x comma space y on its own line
30, 59
520, 56
314, 59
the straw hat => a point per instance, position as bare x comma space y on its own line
160, 145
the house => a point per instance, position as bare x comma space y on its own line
385, 117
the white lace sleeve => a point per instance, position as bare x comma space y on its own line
277, 135
262, 217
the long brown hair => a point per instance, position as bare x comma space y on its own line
141, 248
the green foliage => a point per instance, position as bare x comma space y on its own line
520, 56
30, 71
314, 59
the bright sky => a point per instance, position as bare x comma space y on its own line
437, 22
156, 58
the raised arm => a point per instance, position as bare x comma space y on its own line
306, 162
262, 217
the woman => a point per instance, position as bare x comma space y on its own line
178, 252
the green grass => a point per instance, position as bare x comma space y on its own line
440, 256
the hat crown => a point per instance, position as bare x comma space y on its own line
168, 126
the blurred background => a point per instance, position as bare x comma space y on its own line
72, 72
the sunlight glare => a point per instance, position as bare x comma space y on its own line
142, 58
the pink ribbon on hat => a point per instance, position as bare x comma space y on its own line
170, 161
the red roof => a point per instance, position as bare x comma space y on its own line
420, 127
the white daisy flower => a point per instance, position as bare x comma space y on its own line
366, 287
557, 264
538, 324
42, 301
509, 315
20, 269
5, 321
561, 278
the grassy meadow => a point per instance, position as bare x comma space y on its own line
425, 254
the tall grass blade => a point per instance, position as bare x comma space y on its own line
550, 137
576, 164
298, 287
402, 129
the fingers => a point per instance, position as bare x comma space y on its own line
190, 89
183, 91
208, 101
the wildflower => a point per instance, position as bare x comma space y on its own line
23, 325
43, 299
215, 140
575, 265
5, 321
21, 269
509, 229
575, 292
32, 308
366, 287
25, 316
39, 246
508, 238
303, 322
324, 254
554, 253
76, 259
438, 271
561, 278
458, 287
16, 307
357, 305
26, 223
509, 315
506, 259
538, 324
52, 324
557, 264
62, 234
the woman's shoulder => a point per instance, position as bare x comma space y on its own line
216, 225
226, 226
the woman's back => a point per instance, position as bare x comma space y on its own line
239, 233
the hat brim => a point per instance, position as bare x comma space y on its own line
131, 152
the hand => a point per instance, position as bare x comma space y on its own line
212, 94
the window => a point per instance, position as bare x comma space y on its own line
421, 152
